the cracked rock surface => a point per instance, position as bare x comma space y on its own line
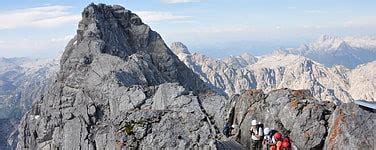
117, 76
310, 124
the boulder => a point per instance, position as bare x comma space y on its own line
295, 113
351, 127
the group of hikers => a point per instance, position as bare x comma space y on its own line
261, 138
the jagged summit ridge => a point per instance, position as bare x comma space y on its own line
283, 70
112, 30
118, 74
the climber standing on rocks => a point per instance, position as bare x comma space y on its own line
256, 136
227, 129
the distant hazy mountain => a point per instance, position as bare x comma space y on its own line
21, 81
282, 70
331, 50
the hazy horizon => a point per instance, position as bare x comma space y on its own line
41, 29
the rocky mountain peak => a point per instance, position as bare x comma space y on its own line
179, 47
118, 78
344, 46
111, 35
240, 61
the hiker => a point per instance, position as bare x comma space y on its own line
277, 141
235, 131
227, 129
267, 139
286, 143
256, 135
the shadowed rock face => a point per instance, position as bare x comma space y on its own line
117, 76
310, 124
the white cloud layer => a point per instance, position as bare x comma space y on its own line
28, 47
155, 16
315, 11
180, 1
46, 16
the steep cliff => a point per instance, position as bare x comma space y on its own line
118, 78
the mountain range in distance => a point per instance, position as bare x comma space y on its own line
282, 70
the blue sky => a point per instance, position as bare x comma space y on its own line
41, 28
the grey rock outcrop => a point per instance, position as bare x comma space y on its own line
351, 127
294, 113
309, 123
117, 77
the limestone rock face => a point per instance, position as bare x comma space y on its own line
117, 77
309, 123
234, 74
294, 113
363, 82
351, 127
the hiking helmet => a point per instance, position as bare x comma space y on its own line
266, 131
254, 122
278, 135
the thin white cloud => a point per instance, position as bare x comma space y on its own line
45, 16
315, 11
28, 47
181, 1
155, 16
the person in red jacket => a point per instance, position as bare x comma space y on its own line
286, 143
277, 142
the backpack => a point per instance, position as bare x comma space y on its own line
272, 132
226, 130
262, 129
260, 126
